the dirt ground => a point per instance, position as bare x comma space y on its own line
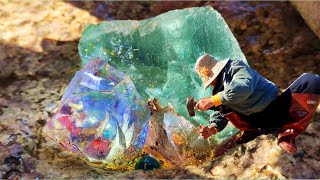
39, 56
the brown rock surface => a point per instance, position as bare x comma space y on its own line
309, 10
38, 44
27, 23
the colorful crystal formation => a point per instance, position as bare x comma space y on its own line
158, 54
103, 118
104, 114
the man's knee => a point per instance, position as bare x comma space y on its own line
313, 79
306, 83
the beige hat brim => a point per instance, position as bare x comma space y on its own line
216, 70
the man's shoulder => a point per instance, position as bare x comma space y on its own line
238, 62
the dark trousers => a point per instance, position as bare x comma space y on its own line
306, 83
277, 112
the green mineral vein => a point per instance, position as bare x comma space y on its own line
159, 53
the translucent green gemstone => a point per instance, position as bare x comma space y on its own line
158, 54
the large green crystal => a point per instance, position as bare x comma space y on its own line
159, 53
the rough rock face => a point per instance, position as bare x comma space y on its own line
272, 35
309, 10
266, 160
52, 20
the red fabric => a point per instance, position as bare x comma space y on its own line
239, 123
302, 109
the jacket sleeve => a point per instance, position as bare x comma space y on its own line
218, 121
241, 85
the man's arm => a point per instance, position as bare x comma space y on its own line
217, 124
218, 121
241, 86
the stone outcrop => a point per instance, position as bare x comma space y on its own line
272, 35
309, 10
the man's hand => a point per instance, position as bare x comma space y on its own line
206, 132
204, 104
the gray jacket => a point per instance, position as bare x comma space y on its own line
242, 90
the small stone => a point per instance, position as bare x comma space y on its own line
42, 122
147, 163
12, 139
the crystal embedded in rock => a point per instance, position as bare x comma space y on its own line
159, 53
103, 118
102, 115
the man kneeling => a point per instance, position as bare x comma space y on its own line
250, 101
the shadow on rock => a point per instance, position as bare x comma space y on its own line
31, 86
132, 10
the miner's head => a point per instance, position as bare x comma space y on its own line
208, 69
